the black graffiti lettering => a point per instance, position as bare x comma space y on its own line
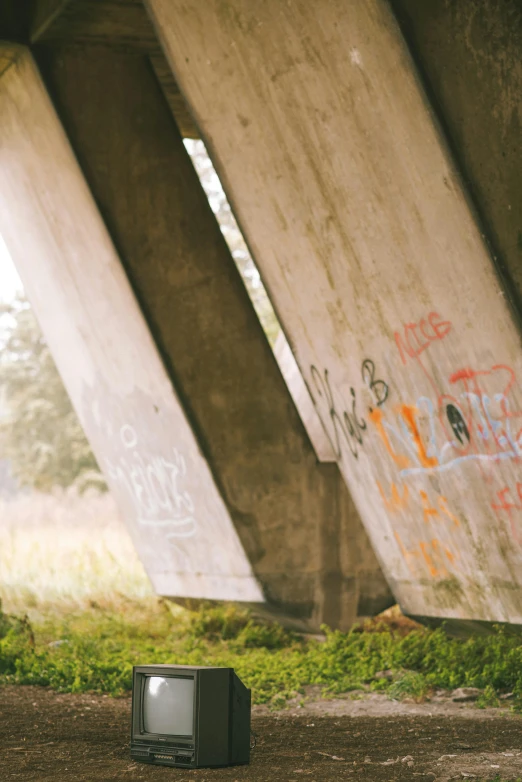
358, 426
347, 426
322, 386
457, 423
379, 388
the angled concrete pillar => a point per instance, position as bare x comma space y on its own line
291, 520
106, 355
357, 216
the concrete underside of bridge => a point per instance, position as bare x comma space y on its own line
371, 155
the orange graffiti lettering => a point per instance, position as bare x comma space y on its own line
431, 553
405, 553
400, 460
427, 558
408, 413
394, 503
429, 510
449, 555
397, 502
443, 505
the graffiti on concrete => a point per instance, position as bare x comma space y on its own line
153, 483
476, 423
457, 423
378, 388
343, 424
473, 419
469, 415
507, 504
141, 462
339, 424
414, 338
431, 555
433, 509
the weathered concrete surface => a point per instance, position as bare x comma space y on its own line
14, 20
352, 205
295, 519
302, 400
105, 353
470, 56
122, 25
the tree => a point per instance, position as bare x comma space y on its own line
40, 433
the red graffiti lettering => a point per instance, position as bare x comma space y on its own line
417, 337
485, 396
506, 505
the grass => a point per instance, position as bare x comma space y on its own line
98, 648
61, 552
70, 566
409, 684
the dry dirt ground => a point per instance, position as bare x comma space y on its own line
49, 736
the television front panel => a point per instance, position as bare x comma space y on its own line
189, 716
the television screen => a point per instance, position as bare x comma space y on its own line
168, 705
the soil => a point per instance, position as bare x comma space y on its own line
51, 736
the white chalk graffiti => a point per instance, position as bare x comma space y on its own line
153, 485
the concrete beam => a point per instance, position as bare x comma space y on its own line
106, 355
14, 20
302, 400
175, 99
124, 26
470, 57
115, 24
8, 56
47, 15
294, 518
351, 202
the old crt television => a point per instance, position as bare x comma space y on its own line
189, 717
